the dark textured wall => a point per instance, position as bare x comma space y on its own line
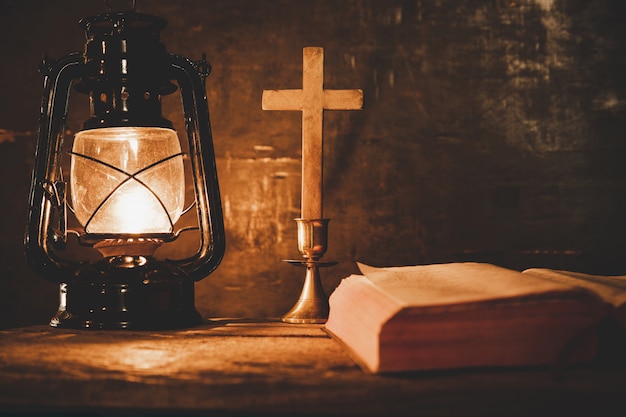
491, 131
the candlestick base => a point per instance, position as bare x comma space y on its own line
312, 305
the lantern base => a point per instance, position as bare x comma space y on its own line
142, 295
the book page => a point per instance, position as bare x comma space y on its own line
610, 288
457, 283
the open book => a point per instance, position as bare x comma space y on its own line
458, 315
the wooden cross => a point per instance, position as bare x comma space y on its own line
312, 100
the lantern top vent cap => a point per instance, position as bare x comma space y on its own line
113, 23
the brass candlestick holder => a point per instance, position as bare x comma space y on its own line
312, 306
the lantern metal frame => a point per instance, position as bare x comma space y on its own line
127, 291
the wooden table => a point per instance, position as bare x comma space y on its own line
243, 368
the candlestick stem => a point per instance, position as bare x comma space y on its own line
312, 306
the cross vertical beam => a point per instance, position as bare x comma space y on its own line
312, 100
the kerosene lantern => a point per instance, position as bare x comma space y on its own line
126, 182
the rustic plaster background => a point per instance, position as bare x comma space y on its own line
491, 131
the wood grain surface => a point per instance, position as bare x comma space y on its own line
253, 368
